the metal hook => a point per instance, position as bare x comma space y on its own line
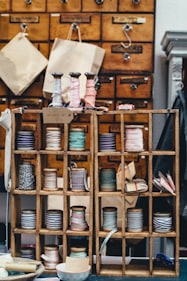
127, 27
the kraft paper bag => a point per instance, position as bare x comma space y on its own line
20, 63
71, 56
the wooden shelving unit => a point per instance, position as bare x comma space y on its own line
39, 198
138, 266
123, 245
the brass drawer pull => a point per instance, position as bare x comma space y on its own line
99, 2
127, 27
28, 2
63, 1
126, 56
133, 86
135, 2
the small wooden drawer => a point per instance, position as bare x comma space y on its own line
3, 106
25, 101
10, 25
28, 6
89, 26
43, 48
134, 87
3, 103
99, 6
3, 91
125, 27
139, 104
4, 5
136, 5
105, 86
63, 6
2, 153
137, 58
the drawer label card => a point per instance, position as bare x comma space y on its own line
132, 19
75, 18
26, 19
57, 115
137, 81
134, 49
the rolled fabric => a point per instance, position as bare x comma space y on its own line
21, 267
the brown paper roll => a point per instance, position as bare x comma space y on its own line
22, 267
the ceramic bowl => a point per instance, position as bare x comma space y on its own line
71, 276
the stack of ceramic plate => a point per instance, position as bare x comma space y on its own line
107, 142
28, 219
25, 140
53, 219
162, 222
134, 220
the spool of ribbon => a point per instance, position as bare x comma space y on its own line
134, 138
77, 139
90, 93
74, 90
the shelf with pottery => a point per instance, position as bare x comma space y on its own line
127, 209
42, 195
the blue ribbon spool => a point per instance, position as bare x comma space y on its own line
77, 139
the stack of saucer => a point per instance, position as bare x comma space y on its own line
28, 219
53, 219
162, 222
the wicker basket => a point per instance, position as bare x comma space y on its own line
26, 276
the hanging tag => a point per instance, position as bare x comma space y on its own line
57, 115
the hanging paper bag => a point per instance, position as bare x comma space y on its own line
71, 56
20, 63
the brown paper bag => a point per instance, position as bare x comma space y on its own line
71, 56
20, 63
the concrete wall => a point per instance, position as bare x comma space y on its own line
170, 15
